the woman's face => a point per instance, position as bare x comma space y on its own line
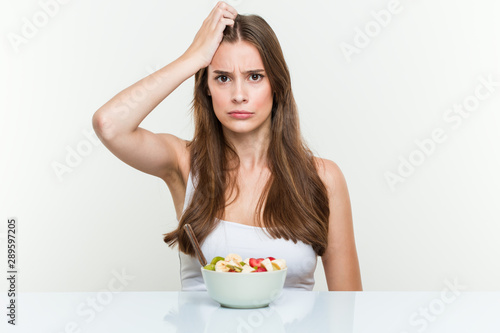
241, 92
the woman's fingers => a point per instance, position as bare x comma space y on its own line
210, 34
228, 8
226, 21
222, 11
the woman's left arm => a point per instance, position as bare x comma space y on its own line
340, 259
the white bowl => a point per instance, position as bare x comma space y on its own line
244, 290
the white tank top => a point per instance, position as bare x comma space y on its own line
248, 242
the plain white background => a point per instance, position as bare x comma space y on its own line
79, 229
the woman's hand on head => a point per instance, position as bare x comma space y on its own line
210, 35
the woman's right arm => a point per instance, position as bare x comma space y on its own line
117, 122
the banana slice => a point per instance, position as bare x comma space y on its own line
247, 269
233, 257
280, 262
221, 266
266, 263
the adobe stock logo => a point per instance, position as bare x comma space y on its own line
424, 316
428, 146
74, 156
373, 28
93, 306
31, 27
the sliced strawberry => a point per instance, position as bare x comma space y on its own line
255, 262
252, 262
271, 258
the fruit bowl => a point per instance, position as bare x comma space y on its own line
244, 291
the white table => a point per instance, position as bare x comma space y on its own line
305, 312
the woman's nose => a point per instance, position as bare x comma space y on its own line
239, 92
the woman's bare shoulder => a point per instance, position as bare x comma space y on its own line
330, 173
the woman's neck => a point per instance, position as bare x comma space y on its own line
251, 150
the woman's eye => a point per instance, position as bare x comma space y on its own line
256, 77
222, 78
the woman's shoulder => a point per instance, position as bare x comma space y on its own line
330, 173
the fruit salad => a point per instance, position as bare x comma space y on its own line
233, 263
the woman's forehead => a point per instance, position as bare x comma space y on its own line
237, 57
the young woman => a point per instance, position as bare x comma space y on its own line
246, 183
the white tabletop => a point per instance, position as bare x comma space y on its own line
310, 312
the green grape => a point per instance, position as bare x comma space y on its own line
216, 259
210, 267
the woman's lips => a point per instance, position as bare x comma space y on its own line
240, 114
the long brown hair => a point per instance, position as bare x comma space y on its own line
294, 198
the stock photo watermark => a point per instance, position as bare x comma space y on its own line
12, 273
454, 116
425, 315
74, 155
363, 37
89, 309
33, 24
140, 94
253, 320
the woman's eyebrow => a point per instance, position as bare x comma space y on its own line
245, 72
